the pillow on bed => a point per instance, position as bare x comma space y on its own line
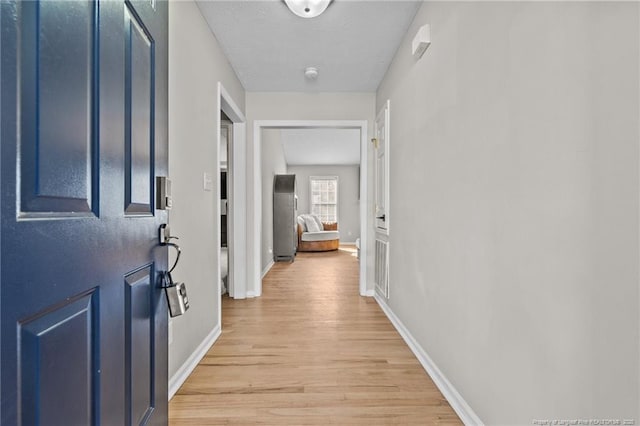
318, 221
302, 224
312, 225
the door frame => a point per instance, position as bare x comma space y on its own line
254, 282
236, 184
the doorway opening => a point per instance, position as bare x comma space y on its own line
263, 132
230, 203
226, 139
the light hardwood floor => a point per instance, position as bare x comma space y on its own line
310, 351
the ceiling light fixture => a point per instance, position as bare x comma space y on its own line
307, 8
311, 73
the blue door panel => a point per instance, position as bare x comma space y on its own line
139, 75
57, 364
57, 155
139, 345
83, 110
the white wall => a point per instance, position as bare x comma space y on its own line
196, 64
514, 201
348, 203
302, 106
273, 163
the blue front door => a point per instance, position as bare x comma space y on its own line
83, 100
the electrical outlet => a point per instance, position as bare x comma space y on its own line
170, 327
270, 250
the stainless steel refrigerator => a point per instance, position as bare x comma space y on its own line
285, 207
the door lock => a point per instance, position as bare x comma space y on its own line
163, 193
176, 295
176, 292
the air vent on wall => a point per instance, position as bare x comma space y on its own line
421, 41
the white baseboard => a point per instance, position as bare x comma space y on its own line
370, 293
252, 293
190, 364
459, 405
267, 268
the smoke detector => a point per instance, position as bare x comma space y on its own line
311, 73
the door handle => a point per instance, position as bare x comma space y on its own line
381, 218
164, 234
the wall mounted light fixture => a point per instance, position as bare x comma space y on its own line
307, 8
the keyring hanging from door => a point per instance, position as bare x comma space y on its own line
176, 292
179, 252
165, 240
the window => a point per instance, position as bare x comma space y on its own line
324, 197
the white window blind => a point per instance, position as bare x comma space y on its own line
324, 197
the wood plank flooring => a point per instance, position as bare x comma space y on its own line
310, 351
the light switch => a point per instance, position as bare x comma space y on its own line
207, 182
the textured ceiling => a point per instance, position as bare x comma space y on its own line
303, 147
352, 43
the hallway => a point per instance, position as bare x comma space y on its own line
309, 351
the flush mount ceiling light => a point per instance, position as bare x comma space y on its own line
307, 8
311, 73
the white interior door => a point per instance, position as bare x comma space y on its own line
381, 169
